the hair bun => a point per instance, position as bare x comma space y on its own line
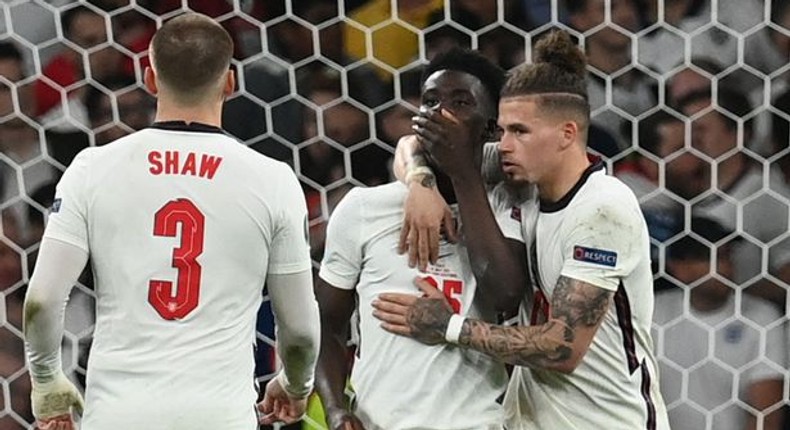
558, 50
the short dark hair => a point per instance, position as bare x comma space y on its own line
190, 52
649, 137
557, 75
729, 99
472, 62
9, 51
68, 17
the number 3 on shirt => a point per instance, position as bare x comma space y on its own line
451, 288
179, 215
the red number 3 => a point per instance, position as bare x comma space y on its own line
166, 223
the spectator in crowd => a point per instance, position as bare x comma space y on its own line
688, 79
395, 122
739, 189
701, 271
12, 68
609, 51
135, 109
87, 29
661, 135
780, 133
12, 359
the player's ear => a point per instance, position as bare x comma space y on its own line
149, 79
230, 83
569, 132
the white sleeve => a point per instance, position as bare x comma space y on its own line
297, 328
342, 261
601, 245
68, 217
289, 251
58, 266
492, 167
507, 212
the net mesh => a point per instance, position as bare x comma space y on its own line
329, 86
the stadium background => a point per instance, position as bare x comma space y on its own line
330, 85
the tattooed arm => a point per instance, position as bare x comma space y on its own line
577, 309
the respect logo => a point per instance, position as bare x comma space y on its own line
595, 256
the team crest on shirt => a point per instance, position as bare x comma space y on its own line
595, 256
55, 208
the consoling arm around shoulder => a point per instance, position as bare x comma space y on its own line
577, 309
298, 328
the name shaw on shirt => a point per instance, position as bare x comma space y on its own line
183, 163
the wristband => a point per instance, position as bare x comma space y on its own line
417, 171
454, 327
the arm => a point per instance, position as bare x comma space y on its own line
499, 265
762, 395
57, 269
296, 321
559, 345
425, 210
336, 306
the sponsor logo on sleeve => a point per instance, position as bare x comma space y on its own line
55, 208
595, 256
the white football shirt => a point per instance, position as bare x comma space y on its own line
400, 383
182, 224
595, 234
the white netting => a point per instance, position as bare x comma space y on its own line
330, 85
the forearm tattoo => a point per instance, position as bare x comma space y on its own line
427, 319
428, 180
574, 305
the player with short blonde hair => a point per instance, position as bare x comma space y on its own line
183, 225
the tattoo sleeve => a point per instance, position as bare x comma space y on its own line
577, 309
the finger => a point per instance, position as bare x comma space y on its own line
268, 419
433, 245
450, 116
390, 318
403, 241
397, 298
423, 249
449, 226
397, 329
428, 137
267, 405
428, 289
412, 248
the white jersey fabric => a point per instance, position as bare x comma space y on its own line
400, 383
182, 224
736, 345
595, 234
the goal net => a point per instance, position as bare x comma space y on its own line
690, 106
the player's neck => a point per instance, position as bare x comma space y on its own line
204, 114
565, 176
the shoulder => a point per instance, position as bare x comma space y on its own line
759, 310
378, 197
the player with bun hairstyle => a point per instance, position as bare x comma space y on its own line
583, 351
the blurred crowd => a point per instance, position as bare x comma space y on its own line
691, 108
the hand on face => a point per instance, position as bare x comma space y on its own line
449, 141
